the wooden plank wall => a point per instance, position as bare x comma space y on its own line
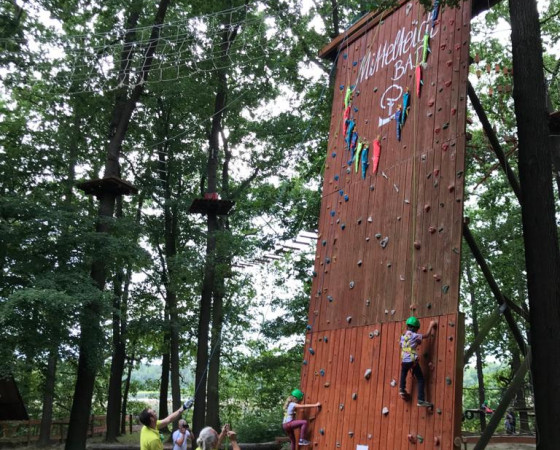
363, 292
351, 415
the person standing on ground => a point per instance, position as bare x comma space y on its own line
150, 438
409, 343
290, 423
209, 439
181, 436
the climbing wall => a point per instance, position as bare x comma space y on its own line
390, 231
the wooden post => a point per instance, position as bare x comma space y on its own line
130, 423
506, 400
493, 286
512, 178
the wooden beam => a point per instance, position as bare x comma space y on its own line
494, 287
512, 178
499, 412
479, 338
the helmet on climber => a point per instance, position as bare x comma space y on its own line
297, 394
413, 322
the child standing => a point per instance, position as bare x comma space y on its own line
410, 341
290, 423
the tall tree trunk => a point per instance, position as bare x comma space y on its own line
164, 386
520, 403
130, 366
542, 255
91, 336
48, 398
478, 353
200, 406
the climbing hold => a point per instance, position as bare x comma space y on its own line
384, 242
450, 338
376, 332
412, 439
393, 382
322, 372
311, 351
438, 411
349, 319
452, 324
368, 302
395, 187
346, 198
351, 358
354, 396
333, 154
341, 192
445, 146
420, 438
328, 260
448, 381
389, 265
417, 245
348, 171
436, 441
445, 288
326, 385
367, 374
333, 213
352, 284
308, 327
325, 339
393, 312
371, 335
374, 89
369, 436
432, 230
371, 187
304, 362
377, 235
437, 277
429, 306
351, 433
324, 242
367, 238
314, 273
321, 431
359, 221
402, 278
359, 263
451, 187
330, 298
385, 411
342, 226
336, 178
341, 406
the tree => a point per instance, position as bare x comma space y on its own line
538, 213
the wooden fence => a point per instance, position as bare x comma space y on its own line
27, 431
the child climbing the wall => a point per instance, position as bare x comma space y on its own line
290, 423
409, 343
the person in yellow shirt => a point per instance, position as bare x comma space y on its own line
149, 435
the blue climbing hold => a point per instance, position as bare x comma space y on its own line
346, 198
341, 87
330, 298
336, 177
343, 226
322, 372
341, 192
324, 242
304, 362
355, 109
345, 55
332, 213
308, 327
311, 351
328, 260
333, 154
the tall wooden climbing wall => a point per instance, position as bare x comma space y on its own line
390, 231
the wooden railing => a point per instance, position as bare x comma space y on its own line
27, 431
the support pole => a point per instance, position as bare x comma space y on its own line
513, 181
494, 287
488, 325
499, 412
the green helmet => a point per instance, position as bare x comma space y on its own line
413, 322
297, 394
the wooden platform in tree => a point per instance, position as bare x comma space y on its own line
113, 185
211, 206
